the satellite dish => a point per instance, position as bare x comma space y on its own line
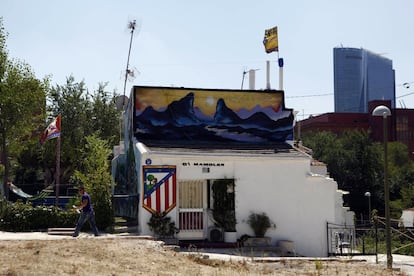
121, 102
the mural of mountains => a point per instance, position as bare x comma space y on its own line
180, 121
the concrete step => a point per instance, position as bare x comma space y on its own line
61, 231
125, 229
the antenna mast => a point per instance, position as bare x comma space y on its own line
131, 26
244, 74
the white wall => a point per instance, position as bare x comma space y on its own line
298, 202
407, 218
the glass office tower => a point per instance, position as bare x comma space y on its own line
361, 76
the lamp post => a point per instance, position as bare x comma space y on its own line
368, 194
384, 111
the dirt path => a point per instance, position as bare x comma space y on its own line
132, 256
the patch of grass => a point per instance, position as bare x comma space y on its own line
318, 266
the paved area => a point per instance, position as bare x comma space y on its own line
405, 263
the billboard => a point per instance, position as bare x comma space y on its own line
194, 115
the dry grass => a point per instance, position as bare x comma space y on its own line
125, 256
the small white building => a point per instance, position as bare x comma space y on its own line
269, 174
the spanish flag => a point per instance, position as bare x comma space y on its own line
270, 40
52, 131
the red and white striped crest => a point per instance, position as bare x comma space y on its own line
160, 188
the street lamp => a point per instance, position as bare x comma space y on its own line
384, 111
368, 194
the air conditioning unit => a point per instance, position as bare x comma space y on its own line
215, 234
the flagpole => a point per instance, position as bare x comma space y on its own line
57, 178
53, 131
280, 65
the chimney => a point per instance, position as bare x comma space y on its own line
252, 79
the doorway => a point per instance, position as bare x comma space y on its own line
191, 206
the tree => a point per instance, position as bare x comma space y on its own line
24, 115
400, 168
105, 116
72, 103
82, 114
361, 169
353, 161
94, 174
356, 164
22, 106
401, 180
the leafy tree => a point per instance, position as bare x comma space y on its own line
352, 160
362, 169
105, 116
22, 106
326, 148
82, 114
72, 103
401, 178
400, 168
94, 174
357, 164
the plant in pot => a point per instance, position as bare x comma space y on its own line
162, 226
260, 223
224, 212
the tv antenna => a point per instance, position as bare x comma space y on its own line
128, 72
251, 77
244, 74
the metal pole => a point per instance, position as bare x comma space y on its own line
387, 197
369, 208
57, 170
384, 111
132, 27
376, 239
328, 238
267, 74
368, 195
280, 61
244, 73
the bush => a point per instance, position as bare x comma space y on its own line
21, 216
162, 226
260, 223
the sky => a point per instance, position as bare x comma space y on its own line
209, 44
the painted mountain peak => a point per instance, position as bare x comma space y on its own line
181, 121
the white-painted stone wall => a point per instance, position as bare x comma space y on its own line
282, 185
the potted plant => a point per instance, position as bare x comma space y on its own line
224, 212
229, 226
162, 226
260, 223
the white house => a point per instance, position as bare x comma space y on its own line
269, 174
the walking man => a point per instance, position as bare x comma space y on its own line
87, 213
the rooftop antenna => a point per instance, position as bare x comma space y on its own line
244, 74
128, 72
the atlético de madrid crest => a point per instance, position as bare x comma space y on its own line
160, 188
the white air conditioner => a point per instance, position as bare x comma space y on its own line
215, 234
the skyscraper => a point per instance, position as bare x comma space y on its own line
361, 76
